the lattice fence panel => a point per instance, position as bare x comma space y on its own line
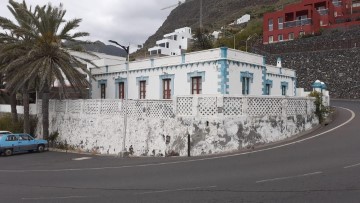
91, 106
110, 107
296, 107
207, 106
159, 109
233, 106
184, 106
260, 106
74, 106
60, 106
135, 108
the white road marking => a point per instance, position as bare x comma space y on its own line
352, 166
194, 160
52, 198
289, 177
81, 158
175, 190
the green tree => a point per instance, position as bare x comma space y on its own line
202, 40
41, 34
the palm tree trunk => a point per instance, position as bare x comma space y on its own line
26, 112
45, 111
14, 114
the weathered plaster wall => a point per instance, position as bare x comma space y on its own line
104, 133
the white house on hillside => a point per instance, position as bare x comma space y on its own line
173, 43
244, 19
220, 71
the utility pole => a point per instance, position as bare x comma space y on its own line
201, 10
127, 49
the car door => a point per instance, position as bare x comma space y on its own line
26, 143
12, 142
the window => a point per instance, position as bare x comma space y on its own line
267, 89
175, 37
166, 88
280, 23
301, 33
291, 36
121, 90
283, 90
103, 90
245, 85
142, 89
196, 85
271, 25
271, 39
280, 37
11, 138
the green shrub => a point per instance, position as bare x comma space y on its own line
6, 123
320, 110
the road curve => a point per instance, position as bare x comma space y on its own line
323, 166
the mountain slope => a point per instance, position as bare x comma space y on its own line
216, 13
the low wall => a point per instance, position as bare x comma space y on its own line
6, 108
162, 127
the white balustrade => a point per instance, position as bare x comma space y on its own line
190, 106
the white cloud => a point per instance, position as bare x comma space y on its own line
126, 21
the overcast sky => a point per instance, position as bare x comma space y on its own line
126, 21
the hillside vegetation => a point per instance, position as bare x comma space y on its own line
217, 14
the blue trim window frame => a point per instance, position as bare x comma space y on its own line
268, 86
118, 82
170, 77
246, 78
195, 74
142, 82
284, 88
102, 84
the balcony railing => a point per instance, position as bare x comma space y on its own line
297, 23
337, 3
323, 12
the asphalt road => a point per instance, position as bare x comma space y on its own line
323, 166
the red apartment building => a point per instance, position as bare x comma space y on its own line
308, 17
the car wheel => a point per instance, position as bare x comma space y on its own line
8, 152
41, 148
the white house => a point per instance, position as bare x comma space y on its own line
220, 71
173, 43
244, 19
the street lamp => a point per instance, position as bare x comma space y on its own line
249, 38
126, 94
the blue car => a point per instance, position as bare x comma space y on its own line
17, 143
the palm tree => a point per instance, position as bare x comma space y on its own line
41, 33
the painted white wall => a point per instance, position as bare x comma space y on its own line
100, 129
235, 84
